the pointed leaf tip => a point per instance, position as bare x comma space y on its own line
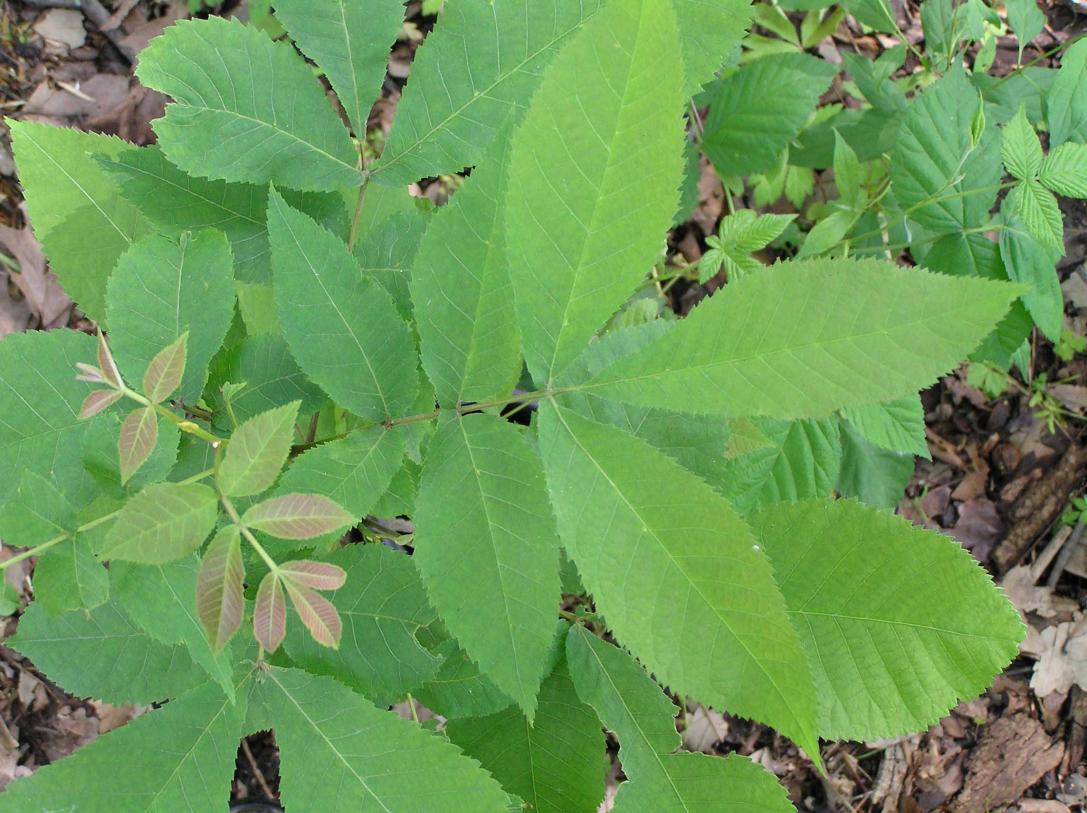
106, 365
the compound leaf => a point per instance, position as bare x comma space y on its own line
583, 228
1064, 170
275, 126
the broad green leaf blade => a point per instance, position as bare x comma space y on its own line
757, 110
36, 512
802, 461
1037, 207
899, 623
139, 434
341, 326
103, 654
1064, 171
275, 126
896, 425
481, 60
270, 613
161, 600
873, 475
1066, 102
486, 548
353, 471
939, 176
676, 573
383, 606
162, 290
69, 577
40, 401
386, 251
553, 764
297, 516
709, 33
350, 41
360, 752
460, 285
459, 689
642, 716
165, 370
1020, 148
220, 603
583, 227
257, 451
163, 522
176, 758
1030, 262
806, 338
70, 197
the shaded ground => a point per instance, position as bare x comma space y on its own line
1000, 477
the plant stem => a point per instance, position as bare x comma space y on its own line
464, 409
183, 424
356, 219
411, 707
232, 512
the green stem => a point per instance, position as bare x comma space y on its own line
356, 219
183, 424
411, 707
232, 512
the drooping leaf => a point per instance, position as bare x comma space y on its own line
69, 197
899, 623
360, 752
552, 764
1065, 103
139, 434
757, 110
486, 548
271, 378
481, 60
676, 573
805, 338
163, 522
270, 613
171, 759
342, 327
297, 516
1064, 170
354, 471
257, 450
160, 599
220, 604
163, 290
709, 34
276, 126
631, 705
1020, 148
583, 230
897, 425
383, 606
103, 654
350, 41
461, 289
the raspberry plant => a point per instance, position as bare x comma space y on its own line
291, 346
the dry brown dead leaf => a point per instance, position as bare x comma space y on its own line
705, 728
62, 29
1062, 658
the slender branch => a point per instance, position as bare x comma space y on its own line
183, 424
232, 512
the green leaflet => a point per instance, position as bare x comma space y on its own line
1064, 171
1066, 102
486, 548
1020, 148
1026, 20
40, 430
710, 34
386, 252
270, 375
350, 41
482, 59
1037, 207
927, 630
672, 567
459, 689
583, 229
360, 752
354, 471
69, 197
162, 289
805, 338
939, 176
897, 425
276, 126
1031, 263
873, 475
341, 327
461, 291
631, 705
383, 607
162, 523
103, 654
172, 759
70, 577
554, 764
257, 451
160, 599
757, 110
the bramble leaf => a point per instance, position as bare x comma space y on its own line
1064, 170
898, 425
1020, 148
163, 522
297, 516
1030, 262
257, 451
277, 126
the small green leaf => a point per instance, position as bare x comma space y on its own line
139, 434
276, 126
1031, 263
219, 600
1020, 148
738, 237
873, 475
1026, 20
297, 516
1037, 207
257, 451
270, 613
848, 174
162, 523
898, 426
1064, 170
165, 370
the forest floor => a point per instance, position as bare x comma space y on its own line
1003, 472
